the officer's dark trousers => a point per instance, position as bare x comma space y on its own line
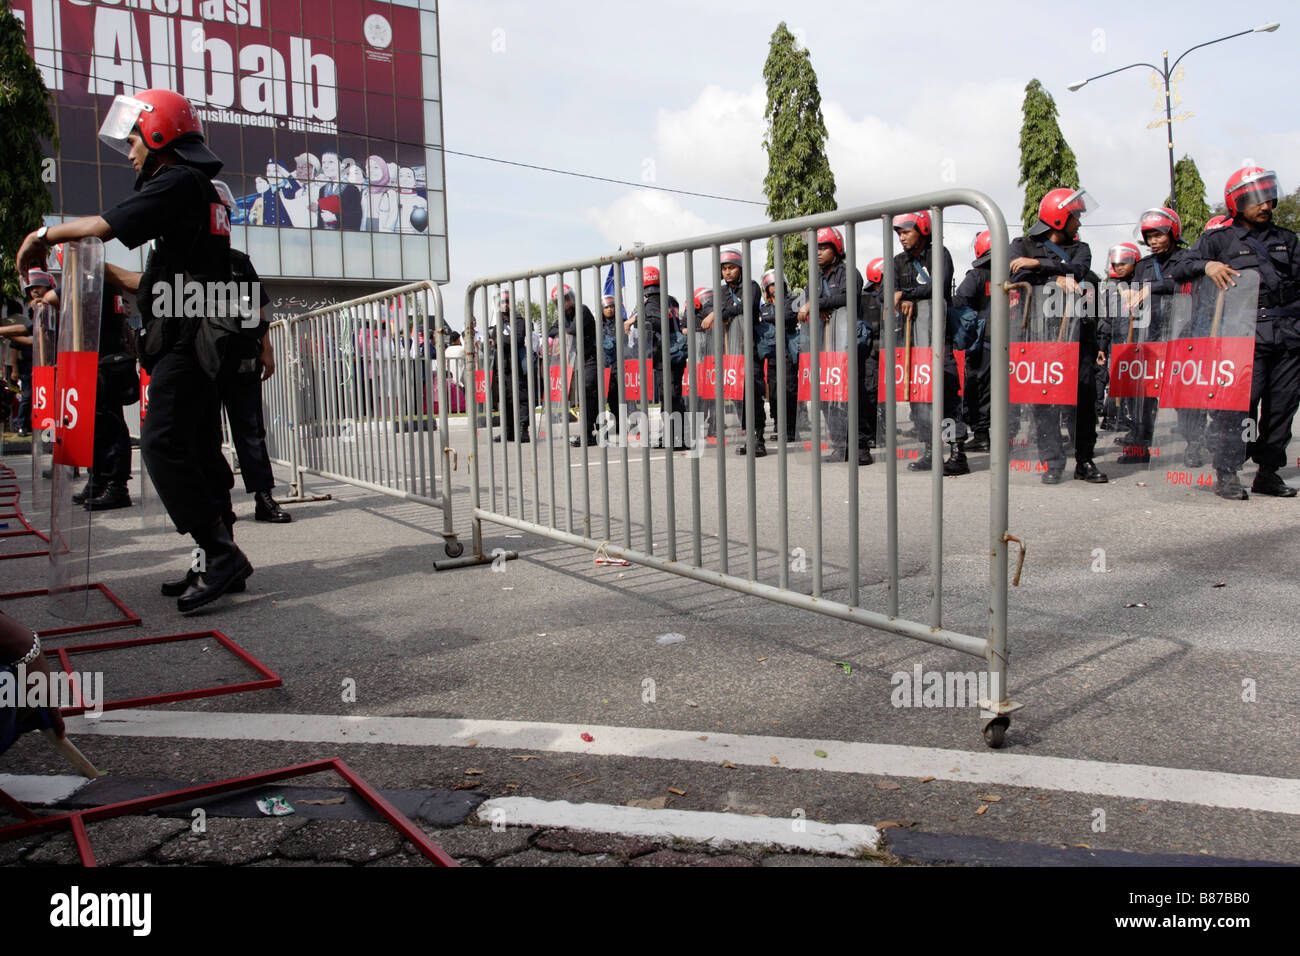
112, 442
979, 389
791, 389
181, 444
516, 408
1274, 399
591, 401
837, 413
241, 394
1047, 421
921, 411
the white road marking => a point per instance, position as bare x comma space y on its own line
39, 789
718, 829
1130, 781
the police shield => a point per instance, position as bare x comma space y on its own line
913, 371
1209, 365
76, 376
45, 323
1140, 323
1044, 379
838, 334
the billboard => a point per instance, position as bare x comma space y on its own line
326, 113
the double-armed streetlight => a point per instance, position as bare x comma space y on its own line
1165, 74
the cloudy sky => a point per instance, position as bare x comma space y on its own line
916, 97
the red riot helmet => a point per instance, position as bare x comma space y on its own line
731, 256
704, 299
1250, 185
1119, 254
1159, 219
1058, 206
606, 300
829, 235
164, 120
769, 278
649, 276
983, 243
1218, 222
555, 292
876, 271
920, 221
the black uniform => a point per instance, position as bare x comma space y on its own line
912, 278
832, 294
610, 329
514, 373
240, 387
1275, 383
586, 358
181, 438
654, 326
973, 293
731, 308
1074, 259
112, 456
768, 312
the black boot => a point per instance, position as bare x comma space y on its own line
91, 490
838, 453
924, 463
114, 495
956, 463
224, 566
269, 510
980, 442
1228, 485
1269, 482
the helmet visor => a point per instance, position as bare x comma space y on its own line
1078, 204
1261, 187
122, 117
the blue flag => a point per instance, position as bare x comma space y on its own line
609, 285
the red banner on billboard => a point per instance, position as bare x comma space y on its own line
318, 110
1209, 373
76, 377
1137, 370
834, 377
42, 397
1044, 373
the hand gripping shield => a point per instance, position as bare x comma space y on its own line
76, 376
1044, 377
1209, 366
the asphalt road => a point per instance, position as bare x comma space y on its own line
1180, 654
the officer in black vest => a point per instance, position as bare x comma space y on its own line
973, 293
768, 310
175, 205
586, 359
1252, 241
1053, 254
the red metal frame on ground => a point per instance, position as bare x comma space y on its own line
131, 620
269, 677
16, 808
76, 821
28, 530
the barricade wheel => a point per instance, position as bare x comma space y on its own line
995, 731
453, 548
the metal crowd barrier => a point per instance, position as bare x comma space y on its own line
360, 396
607, 494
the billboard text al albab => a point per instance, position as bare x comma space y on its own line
253, 62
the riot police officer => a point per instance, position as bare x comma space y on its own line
769, 307
175, 205
513, 370
913, 284
730, 309
1253, 241
973, 294
586, 358
1052, 253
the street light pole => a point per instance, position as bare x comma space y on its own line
1165, 74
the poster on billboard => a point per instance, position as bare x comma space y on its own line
327, 116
